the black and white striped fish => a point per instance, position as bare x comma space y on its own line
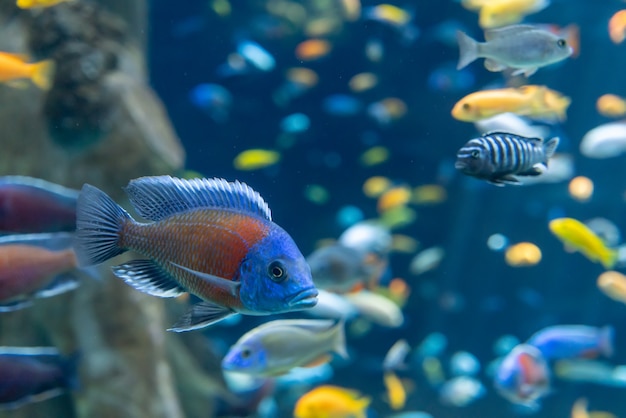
499, 157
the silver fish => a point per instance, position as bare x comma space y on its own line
523, 48
276, 347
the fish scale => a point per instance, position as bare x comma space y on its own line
173, 235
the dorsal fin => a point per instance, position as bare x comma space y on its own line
158, 197
507, 31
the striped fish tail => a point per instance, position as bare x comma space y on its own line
549, 147
99, 222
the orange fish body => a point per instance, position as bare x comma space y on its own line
25, 268
13, 67
35, 266
220, 258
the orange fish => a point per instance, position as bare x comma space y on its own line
531, 100
35, 266
13, 68
617, 27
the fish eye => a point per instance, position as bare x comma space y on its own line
466, 106
276, 271
475, 154
561, 43
245, 353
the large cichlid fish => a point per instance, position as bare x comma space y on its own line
209, 237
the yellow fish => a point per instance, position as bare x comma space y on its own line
254, 159
531, 100
498, 13
396, 394
331, 402
13, 68
575, 234
31, 4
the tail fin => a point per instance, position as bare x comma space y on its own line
468, 49
609, 258
605, 342
99, 221
69, 365
339, 345
549, 147
43, 74
561, 107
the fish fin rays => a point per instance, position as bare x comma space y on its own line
148, 277
550, 147
99, 221
228, 285
158, 197
468, 49
201, 315
507, 31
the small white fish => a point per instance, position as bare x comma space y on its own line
604, 141
523, 48
377, 308
394, 360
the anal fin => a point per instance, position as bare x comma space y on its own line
148, 277
15, 305
535, 170
61, 284
201, 315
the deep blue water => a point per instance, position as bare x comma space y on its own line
562, 286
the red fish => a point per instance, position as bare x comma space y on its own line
209, 237
34, 374
35, 266
33, 205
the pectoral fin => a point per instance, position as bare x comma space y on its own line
494, 66
225, 284
201, 315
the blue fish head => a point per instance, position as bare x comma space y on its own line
247, 357
275, 277
473, 159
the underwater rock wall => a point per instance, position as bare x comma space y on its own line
100, 123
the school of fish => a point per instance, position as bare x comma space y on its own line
215, 239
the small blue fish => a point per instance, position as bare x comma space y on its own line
213, 99
34, 374
523, 376
573, 341
498, 157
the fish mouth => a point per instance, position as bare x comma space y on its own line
305, 299
459, 165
